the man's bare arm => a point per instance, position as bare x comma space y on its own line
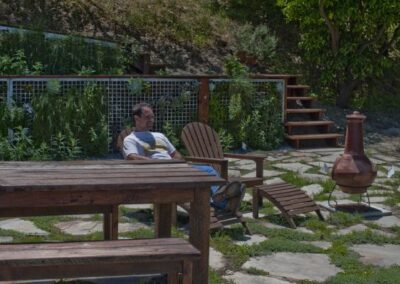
176, 155
136, 157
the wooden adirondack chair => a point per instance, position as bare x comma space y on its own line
203, 145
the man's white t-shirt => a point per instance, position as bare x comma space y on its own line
149, 144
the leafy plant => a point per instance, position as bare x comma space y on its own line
137, 86
250, 115
257, 41
226, 140
346, 45
171, 134
78, 114
64, 147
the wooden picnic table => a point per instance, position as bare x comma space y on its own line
47, 188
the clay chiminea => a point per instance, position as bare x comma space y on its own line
353, 171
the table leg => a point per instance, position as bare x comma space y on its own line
162, 220
199, 234
110, 223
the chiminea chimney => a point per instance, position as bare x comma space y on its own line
353, 171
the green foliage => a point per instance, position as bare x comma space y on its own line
344, 219
258, 42
281, 244
171, 134
138, 87
189, 21
295, 179
346, 44
64, 147
72, 55
78, 114
368, 276
226, 140
10, 117
250, 115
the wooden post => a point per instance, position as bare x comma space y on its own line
204, 96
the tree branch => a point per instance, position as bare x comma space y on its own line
393, 40
333, 30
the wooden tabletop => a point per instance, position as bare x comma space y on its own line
113, 174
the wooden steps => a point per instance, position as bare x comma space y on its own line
324, 136
305, 110
300, 98
303, 122
324, 125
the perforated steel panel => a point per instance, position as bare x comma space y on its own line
173, 100
263, 87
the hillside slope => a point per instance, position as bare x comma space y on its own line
185, 35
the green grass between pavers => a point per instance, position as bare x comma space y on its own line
215, 278
255, 271
365, 237
342, 219
295, 179
354, 272
47, 223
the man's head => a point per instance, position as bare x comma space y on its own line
143, 117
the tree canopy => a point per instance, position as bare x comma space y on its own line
347, 42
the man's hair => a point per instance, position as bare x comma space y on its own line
138, 109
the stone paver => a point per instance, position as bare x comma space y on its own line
248, 197
386, 255
314, 177
312, 189
241, 278
386, 158
377, 199
250, 215
22, 226
298, 266
271, 173
301, 154
235, 173
80, 228
138, 206
294, 167
387, 221
321, 165
251, 240
217, 260
6, 239
361, 228
320, 244
273, 181
329, 159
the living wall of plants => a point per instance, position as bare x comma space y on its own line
244, 114
32, 53
55, 126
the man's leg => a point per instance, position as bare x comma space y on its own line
209, 169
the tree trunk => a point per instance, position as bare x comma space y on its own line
345, 91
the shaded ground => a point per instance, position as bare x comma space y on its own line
378, 126
344, 248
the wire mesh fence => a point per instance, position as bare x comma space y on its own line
175, 100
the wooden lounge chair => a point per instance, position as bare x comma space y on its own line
289, 199
203, 145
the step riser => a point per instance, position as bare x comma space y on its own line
296, 102
332, 142
303, 116
299, 130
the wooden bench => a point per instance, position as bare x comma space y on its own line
289, 199
99, 258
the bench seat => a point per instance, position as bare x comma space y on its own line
98, 258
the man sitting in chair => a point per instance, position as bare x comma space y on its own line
142, 144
